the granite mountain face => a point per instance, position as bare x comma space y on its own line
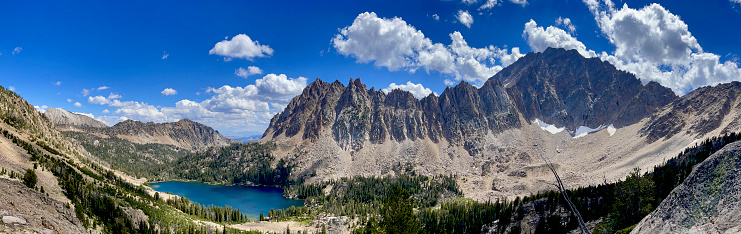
489, 133
563, 88
557, 86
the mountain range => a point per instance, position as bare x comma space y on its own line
593, 121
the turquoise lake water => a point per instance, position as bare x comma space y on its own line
250, 200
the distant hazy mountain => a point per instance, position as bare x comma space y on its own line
62, 118
248, 138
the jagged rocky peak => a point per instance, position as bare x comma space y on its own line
356, 115
563, 88
63, 118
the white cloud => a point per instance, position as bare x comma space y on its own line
78, 104
169, 92
540, 39
736, 1
657, 45
41, 109
236, 109
396, 45
100, 100
244, 73
106, 111
11, 88
489, 4
566, 23
437, 17
58, 83
469, 2
417, 90
103, 88
241, 46
520, 2
85, 92
465, 18
69, 100
165, 55
114, 96
16, 50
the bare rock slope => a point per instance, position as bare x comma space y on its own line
708, 201
63, 118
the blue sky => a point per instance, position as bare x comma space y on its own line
233, 64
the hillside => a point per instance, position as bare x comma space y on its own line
51, 184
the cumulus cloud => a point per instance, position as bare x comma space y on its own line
469, 2
78, 104
437, 17
103, 88
417, 90
244, 73
657, 45
16, 50
489, 4
58, 83
240, 46
165, 55
566, 23
69, 100
396, 45
539, 39
229, 108
85, 92
106, 111
11, 88
465, 18
169, 92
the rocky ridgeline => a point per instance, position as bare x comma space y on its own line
699, 112
557, 86
185, 134
355, 114
65, 119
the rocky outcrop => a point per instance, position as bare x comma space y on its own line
63, 119
562, 88
708, 201
698, 112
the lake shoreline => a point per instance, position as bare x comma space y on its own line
250, 200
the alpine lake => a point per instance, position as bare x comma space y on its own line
249, 200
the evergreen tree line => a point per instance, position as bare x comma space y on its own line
238, 163
362, 196
213, 213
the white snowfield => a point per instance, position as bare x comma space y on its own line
580, 131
